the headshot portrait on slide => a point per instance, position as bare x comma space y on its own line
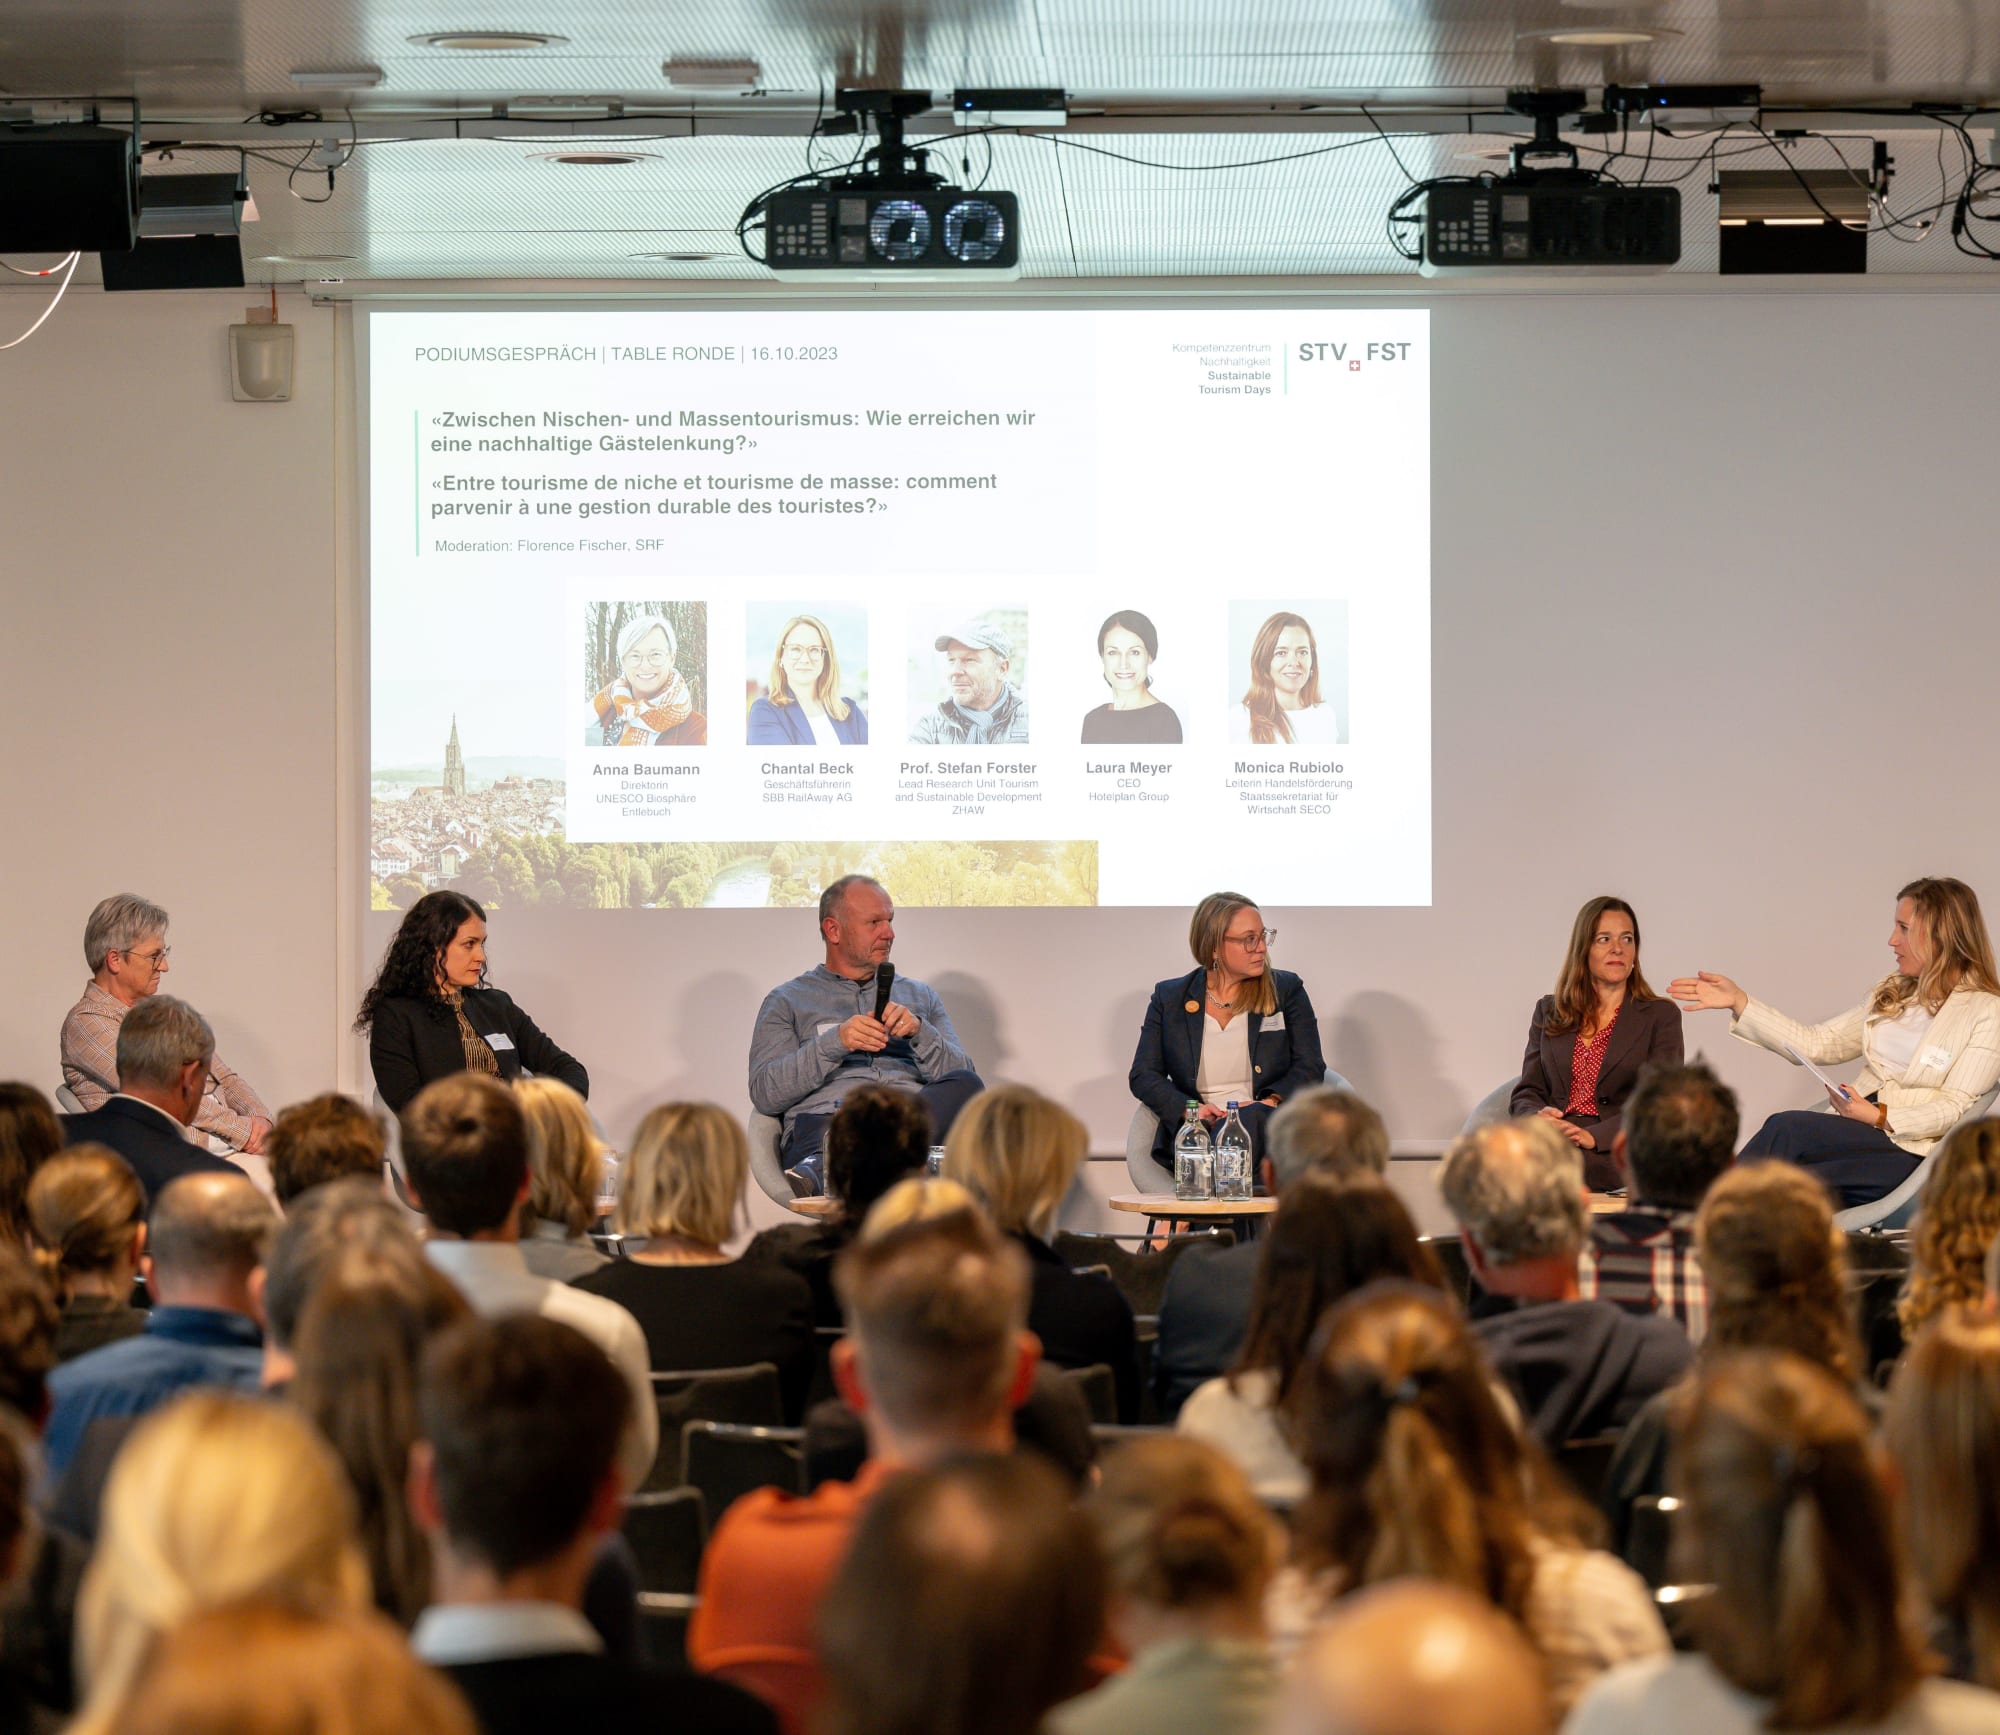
646, 671
1292, 659
969, 678
803, 691
1128, 644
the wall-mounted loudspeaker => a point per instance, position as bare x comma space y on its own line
260, 363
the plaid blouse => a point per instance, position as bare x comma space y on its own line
1643, 1261
90, 1069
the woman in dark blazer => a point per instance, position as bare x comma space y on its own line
430, 1014
1588, 1041
1277, 1056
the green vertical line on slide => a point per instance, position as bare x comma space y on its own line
416, 483
1285, 383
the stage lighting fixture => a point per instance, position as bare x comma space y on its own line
891, 218
1779, 222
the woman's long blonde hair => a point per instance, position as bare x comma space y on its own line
565, 1155
684, 1174
216, 1498
1268, 723
1961, 952
1776, 1267
827, 688
1016, 1152
1206, 927
1956, 1223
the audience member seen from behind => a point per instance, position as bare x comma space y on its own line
465, 1146
878, 1137
1329, 1238
1943, 1431
125, 948
1414, 1657
1017, 1153
1777, 1278
87, 1230
1808, 1626
271, 1668
28, 1325
936, 1358
23, 1695
30, 1134
805, 706
1417, 1470
165, 1055
1929, 1038
429, 1013
1591, 1038
1235, 1030
1205, 1307
566, 1164
1579, 1368
1956, 1225
318, 1231
699, 1306
205, 1250
357, 1350
1190, 1551
1679, 1136
326, 1138
216, 1498
515, 1478
994, 1593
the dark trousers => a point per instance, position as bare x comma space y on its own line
804, 1151
1858, 1163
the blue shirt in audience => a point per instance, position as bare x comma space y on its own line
181, 1347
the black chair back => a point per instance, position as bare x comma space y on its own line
1649, 1544
747, 1395
1585, 1463
1141, 1271
663, 1625
727, 1460
1099, 1387
667, 1532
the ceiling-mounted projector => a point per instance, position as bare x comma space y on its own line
891, 218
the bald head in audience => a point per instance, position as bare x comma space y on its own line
1413, 1657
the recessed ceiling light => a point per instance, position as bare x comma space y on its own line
488, 41
305, 258
336, 78
1595, 36
694, 74
594, 159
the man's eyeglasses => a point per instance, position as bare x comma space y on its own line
156, 957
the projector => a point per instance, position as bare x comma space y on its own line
1559, 217
892, 218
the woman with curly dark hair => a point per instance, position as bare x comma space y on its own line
429, 1012
1956, 1223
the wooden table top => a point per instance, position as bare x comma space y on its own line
814, 1205
1166, 1205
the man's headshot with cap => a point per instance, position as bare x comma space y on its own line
983, 705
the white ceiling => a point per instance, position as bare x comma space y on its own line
1201, 90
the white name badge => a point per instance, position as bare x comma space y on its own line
500, 1042
824, 1028
1275, 1022
1937, 1059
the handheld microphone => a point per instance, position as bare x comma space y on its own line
885, 979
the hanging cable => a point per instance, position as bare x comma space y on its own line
53, 305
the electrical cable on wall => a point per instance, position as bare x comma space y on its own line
68, 269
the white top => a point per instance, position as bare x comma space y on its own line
821, 728
1312, 725
486, 1632
1223, 1074
1898, 1039
1242, 1425
1669, 1696
494, 1277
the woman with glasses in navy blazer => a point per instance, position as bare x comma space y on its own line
1236, 1030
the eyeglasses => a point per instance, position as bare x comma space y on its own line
1256, 937
155, 958
647, 659
810, 653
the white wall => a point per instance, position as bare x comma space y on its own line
1713, 629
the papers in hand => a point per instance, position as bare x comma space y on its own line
1833, 1084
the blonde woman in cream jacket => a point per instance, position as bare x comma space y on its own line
1929, 1038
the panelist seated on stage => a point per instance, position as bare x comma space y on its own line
125, 946
1591, 1038
1929, 1038
165, 1053
1236, 1030
430, 1014
817, 1036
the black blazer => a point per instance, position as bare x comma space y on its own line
145, 1137
415, 1041
1647, 1031
1284, 1060
534, 1695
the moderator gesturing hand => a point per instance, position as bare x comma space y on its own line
1706, 991
863, 1034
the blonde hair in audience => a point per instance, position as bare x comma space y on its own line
1181, 1528
1017, 1153
1961, 953
85, 1212
215, 1498
1943, 1429
916, 1200
1783, 1511
1776, 1267
684, 1174
565, 1155
1956, 1224
271, 1667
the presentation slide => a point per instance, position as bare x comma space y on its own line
687, 609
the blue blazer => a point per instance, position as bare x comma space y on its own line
785, 726
1284, 1059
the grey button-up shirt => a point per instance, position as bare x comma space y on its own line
797, 1065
